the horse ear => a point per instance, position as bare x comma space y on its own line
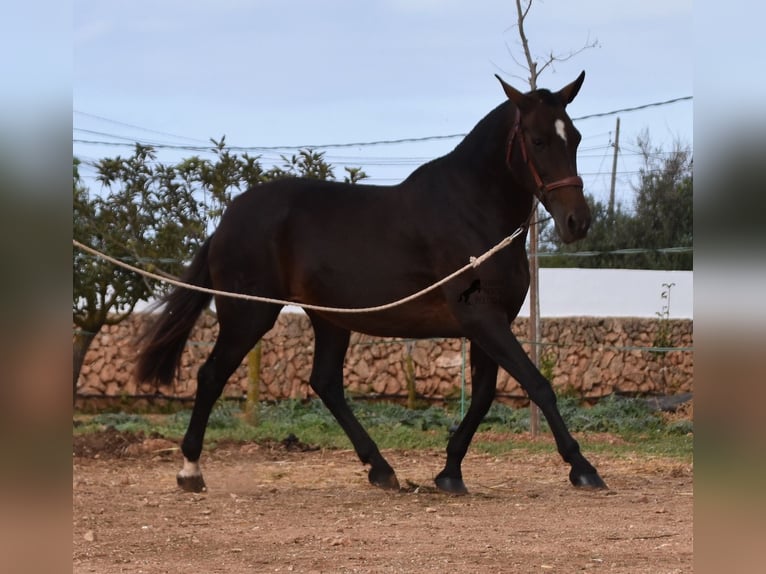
523, 101
568, 93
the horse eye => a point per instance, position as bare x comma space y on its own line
538, 143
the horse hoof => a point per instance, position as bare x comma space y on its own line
590, 481
451, 485
193, 483
385, 479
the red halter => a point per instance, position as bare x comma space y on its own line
542, 188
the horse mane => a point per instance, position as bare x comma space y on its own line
485, 142
484, 147
491, 131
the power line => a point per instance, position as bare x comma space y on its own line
634, 108
374, 142
135, 127
129, 139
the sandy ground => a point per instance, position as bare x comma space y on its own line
269, 509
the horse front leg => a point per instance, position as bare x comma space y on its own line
503, 347
483, 384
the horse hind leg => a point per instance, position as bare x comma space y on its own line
326, 379
211, 379
241, 326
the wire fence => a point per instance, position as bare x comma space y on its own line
540, 254
203, 146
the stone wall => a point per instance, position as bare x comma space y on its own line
592, 357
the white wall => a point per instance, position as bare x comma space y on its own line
613, 293
610, 293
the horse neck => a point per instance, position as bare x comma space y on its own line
481, 158
474, 178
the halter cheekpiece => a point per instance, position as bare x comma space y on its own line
542, 187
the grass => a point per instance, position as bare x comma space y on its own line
635, 428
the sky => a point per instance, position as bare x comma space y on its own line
268, 73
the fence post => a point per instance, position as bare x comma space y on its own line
252, 400
409, 375
462, 378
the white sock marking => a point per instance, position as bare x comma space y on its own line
560, 130
190, 469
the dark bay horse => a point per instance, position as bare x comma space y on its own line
353, 246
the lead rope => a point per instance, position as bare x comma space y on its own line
473, 263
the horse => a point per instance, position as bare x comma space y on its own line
346, 246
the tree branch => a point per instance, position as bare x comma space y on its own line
531, 64
515, 61
563, 58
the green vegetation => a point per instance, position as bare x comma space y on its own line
660, 216
636, 428
663, 336
156, 215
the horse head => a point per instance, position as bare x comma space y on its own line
542, 153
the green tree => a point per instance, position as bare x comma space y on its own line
664, 205
216, 181
311, 164
143, 216
156, 216
660, 218
605, 235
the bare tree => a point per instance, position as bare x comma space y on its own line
534, 67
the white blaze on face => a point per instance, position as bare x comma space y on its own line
559, 124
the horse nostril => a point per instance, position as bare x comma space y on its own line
572, 224
578, 226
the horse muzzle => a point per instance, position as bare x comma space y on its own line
573, 224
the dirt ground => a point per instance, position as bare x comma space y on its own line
275, 509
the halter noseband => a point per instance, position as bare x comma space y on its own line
542, 187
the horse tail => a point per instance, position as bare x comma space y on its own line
165, 339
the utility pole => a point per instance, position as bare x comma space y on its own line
614, 169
